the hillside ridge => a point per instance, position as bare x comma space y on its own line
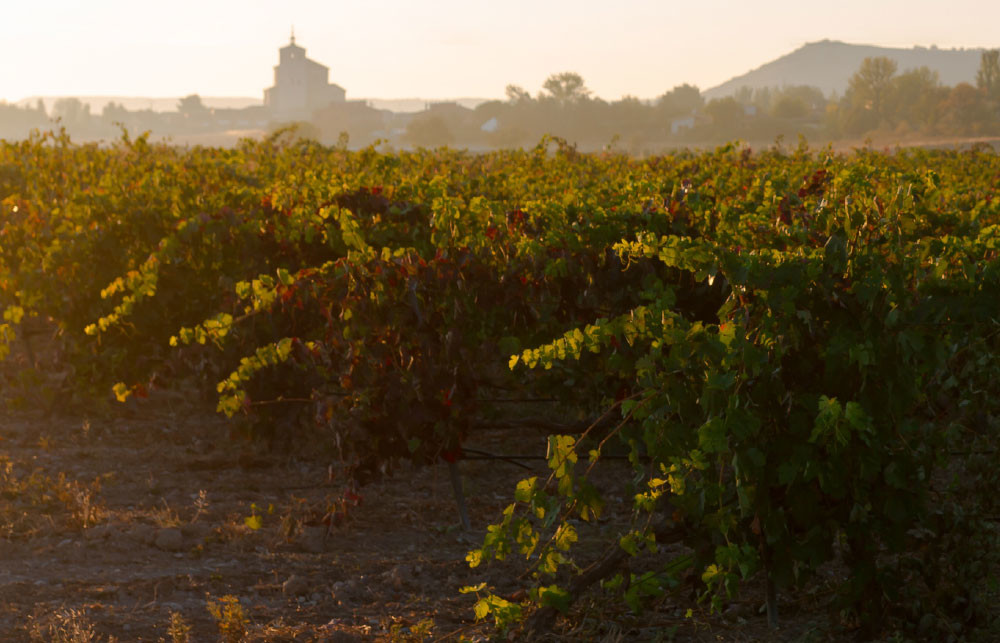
829, 65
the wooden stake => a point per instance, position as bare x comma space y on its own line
456, 486
772, 603
770, 593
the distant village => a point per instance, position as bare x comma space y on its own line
880, 100
302, 97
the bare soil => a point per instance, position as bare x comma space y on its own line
111, 526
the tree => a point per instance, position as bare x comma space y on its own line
72, 112
789, 106
681, 100
726, 113
16, 122
517, 94
428, 131
867, 93
114, 113
988, 76
191, 105
966, 111
566, 88
811, 97
629, 115
764, 98
914, 98
744, 95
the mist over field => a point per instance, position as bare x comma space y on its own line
824, 92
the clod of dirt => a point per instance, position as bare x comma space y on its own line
100, 532
313, 538
169, 539
197, 531
342, 637
143, 534
740, 610
344, 591
397, 577
295, 586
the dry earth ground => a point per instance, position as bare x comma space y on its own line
119, 523
134, 523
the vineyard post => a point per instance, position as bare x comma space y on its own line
456, 487
770, 593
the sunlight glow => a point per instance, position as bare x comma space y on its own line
443, 48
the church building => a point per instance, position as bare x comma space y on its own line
301, 86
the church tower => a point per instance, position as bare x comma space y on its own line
301, 86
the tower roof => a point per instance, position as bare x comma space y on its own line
291, 43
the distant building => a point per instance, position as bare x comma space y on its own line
681, 123
301, 86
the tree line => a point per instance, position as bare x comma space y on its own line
880, 102
191, 116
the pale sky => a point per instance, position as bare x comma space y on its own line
444, 48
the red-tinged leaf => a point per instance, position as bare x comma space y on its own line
452, 455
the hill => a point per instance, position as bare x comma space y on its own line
829, 65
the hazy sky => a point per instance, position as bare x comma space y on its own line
443, 48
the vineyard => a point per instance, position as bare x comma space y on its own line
751, 373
